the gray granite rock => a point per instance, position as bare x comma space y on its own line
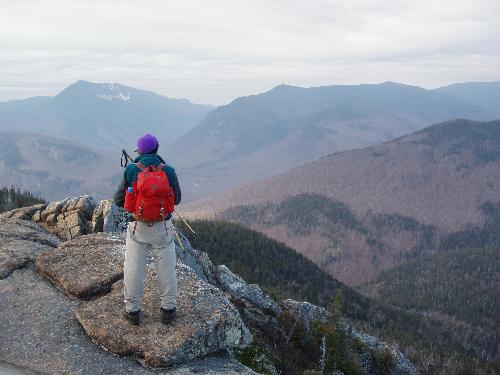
236, 286
41, 335
26, 230
54, 208
86, 266
306, 313
191, 257
24, 213
115, 219
206, 265
68, 218
101, 210
16, 253
71, 225
206, 323
401, 364
84, 204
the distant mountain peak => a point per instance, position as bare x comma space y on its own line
283, 87
104, 91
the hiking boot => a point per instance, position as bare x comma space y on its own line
167, 316
132, 317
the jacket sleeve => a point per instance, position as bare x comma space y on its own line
119, 197
174, 183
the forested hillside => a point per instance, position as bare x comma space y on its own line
359, 212
434, 345
277, 268
420, 175
353, 248
459, 286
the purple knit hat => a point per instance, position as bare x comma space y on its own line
146, 143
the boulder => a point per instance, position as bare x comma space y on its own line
101, 210
306, 313
400, 364
24, 213
116, 220
193, 259
107, 217
239, 288
206, 265
85, 204
71, 225
206, 323
15, 254
68, 218
86, 266
53, 208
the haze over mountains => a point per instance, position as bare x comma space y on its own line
251, 138
104, 116
257, 136
358, 212
70, 144
53, 168
482, 94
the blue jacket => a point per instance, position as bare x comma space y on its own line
132, 170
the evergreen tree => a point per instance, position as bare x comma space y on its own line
11, 198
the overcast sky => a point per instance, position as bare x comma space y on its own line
212, 51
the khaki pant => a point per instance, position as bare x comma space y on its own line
149, 238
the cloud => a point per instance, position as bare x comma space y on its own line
212, 52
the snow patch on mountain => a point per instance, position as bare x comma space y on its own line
118, 96
111, 91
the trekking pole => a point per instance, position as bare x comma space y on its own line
125, 158
178, 238
185, 222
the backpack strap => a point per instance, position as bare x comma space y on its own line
160, 166
141, 166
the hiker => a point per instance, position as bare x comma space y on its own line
149, 189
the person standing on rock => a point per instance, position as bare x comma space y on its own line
149, 189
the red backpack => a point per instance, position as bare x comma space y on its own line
151, 197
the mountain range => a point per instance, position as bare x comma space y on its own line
103, 116
216, 149
482, 94
70, 144
53, 167
356, 213
261, 135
